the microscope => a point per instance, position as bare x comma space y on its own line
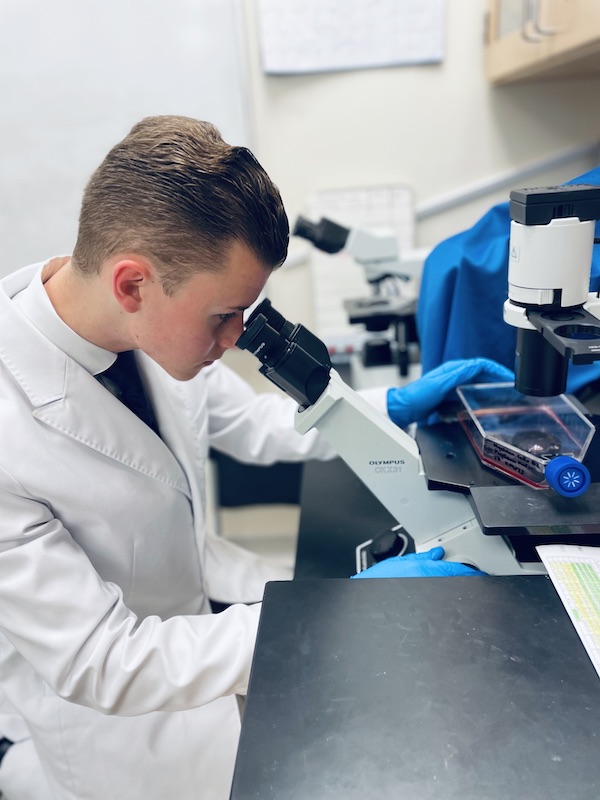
382, 455
433, 485
394, 279
550, 256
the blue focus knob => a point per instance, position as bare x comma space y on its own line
567, 476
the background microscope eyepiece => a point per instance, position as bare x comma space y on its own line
325, 234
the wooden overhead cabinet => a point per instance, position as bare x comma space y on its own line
529, 40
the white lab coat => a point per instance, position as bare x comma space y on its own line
107, 646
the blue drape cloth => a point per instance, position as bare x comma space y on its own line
463, 289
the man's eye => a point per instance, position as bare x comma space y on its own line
225, 317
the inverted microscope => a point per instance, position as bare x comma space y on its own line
437, 485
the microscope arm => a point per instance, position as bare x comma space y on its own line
387, 461
592, 306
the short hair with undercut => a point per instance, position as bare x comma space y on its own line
174, 192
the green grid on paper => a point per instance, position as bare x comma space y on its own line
582, 583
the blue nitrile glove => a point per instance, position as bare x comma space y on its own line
418, 565
419, 399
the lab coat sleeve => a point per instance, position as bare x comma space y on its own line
377, 397
256, 427
259, 427
78, 634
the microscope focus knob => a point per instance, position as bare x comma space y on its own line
393, 542
567, 476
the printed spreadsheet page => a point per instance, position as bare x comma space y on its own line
575, 573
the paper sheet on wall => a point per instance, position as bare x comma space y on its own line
338, 277
575, 573
328, 35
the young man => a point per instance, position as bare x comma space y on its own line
108, 648
110, 653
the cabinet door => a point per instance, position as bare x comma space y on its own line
534, 39
574, 37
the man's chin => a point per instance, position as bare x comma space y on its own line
188, 374
183, 376
195, 371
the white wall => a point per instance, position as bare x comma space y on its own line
75, 74
436, 128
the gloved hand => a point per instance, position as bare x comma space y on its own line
419, 399
418, 565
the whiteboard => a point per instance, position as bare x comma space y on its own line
328, 35
75, 75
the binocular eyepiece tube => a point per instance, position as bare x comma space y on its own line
292, 357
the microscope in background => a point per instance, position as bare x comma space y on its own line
394, 279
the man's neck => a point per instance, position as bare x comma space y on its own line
82, 304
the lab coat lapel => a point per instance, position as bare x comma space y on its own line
173, 408
90, 414
70, 400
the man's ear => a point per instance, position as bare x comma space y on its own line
129, 277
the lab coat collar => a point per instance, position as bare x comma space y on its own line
33, 301
36, 365
67, 397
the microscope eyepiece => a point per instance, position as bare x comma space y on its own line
293, 358
266, 334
